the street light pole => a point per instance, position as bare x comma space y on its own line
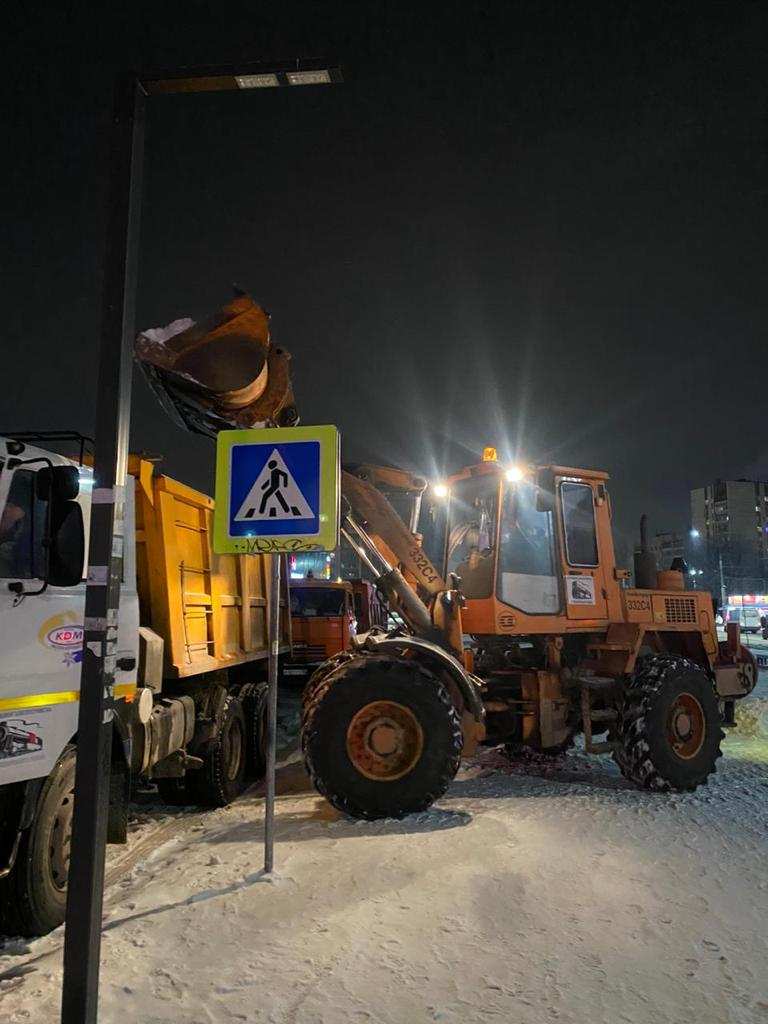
82, 937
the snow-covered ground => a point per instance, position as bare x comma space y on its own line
537, 893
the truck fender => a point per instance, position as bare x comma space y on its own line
469, 686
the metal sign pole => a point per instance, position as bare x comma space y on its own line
82, 938
274, 648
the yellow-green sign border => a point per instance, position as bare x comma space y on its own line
330, 477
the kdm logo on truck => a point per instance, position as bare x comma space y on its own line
65, 633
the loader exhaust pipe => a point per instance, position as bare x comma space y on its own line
645, 560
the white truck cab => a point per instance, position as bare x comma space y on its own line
190, 677
41, 617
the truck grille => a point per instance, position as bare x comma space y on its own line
680, 609
309, 652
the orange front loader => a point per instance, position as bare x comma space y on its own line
526, 636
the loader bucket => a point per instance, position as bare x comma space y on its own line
220, 373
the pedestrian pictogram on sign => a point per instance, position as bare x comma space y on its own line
277, 490
274, 495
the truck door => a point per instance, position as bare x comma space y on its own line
40, 637
41, 629
585, 591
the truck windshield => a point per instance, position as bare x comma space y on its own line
472, 533
316, 601
527, 577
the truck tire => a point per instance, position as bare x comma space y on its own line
381, 737
33, 897
669, 727
222, 777
255, 707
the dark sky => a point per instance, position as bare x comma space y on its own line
536, 225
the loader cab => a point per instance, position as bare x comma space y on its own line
532, 548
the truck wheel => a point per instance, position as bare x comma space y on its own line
33, 898
669, 725
381, 737
222, 777
255, 706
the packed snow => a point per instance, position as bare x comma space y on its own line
533, 892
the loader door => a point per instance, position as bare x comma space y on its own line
585, 589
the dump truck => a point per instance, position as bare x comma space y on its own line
325, 616
527, 635
322, 623
190, 674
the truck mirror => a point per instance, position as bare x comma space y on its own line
65, 482
67, 544
545, 490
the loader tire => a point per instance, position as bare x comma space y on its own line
669, 728
381, 737
33, 897
222, 777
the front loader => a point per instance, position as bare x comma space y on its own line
528, 636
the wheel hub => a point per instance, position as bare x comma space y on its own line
384, 741
686, 726
61, 840
233, 751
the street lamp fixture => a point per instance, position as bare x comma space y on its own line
245, 76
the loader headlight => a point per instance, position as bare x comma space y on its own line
514, 474
440, 490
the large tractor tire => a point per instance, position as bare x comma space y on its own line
222, 776
33, 897
381, 737
669, 728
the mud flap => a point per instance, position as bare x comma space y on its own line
117, 817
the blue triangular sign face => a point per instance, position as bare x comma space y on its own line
274, 495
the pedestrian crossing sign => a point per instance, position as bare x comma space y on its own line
277, 490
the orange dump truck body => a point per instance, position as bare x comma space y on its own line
211, 609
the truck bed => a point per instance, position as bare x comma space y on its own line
212, 609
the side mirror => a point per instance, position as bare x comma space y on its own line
67, 544
65, 483
545, 490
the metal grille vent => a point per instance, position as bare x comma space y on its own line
680, 609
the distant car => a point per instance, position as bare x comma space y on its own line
747, 616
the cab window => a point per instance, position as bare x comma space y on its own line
527, 577
317, 602
579, 523
22, 530
472, 533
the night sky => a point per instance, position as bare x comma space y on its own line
540, 226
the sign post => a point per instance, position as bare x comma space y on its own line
277, 492
274, 646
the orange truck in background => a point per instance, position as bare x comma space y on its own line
325, 615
